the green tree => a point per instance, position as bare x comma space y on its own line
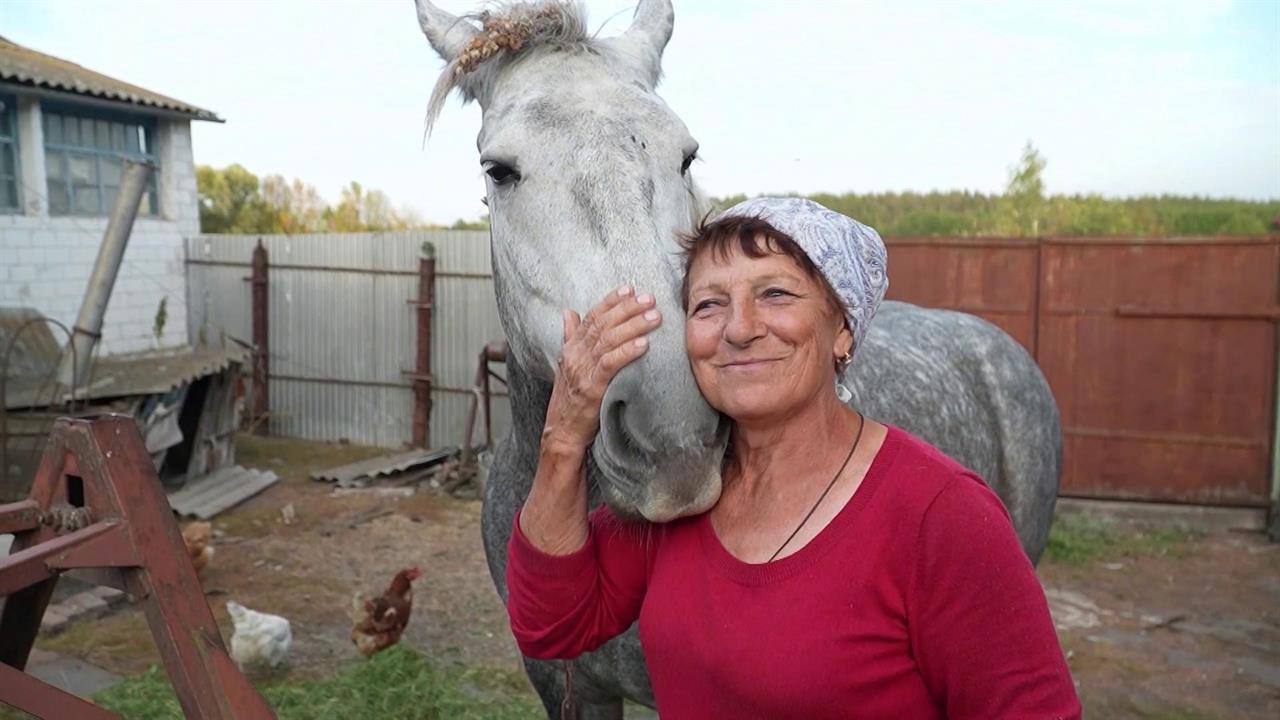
361, 210
230, 201
1024, 194
481, 224
298, 207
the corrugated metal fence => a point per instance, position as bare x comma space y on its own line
342, 329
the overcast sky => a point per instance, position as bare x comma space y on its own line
1122, 98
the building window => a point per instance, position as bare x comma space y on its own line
8, 154
84, 158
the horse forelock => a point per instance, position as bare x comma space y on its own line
508, 31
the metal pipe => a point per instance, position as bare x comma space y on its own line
88, 327
468, 432
480, 397
338, 269
422, 365
493, 352
260, 287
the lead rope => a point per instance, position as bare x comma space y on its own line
568, 708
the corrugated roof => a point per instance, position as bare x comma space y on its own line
29, 67
150, 373
205, 497
359, 473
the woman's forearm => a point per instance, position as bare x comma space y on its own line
554, 518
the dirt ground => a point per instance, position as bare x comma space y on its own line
1187, 629
1184, 629
310, 569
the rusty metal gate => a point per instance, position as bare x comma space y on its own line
1161, 352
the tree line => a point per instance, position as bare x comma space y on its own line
1024, 210
232, 200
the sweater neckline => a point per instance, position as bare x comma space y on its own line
747, 573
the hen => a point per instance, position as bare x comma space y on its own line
259, 638
197, 537
379, 621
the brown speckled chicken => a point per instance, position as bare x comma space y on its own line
198, 537
379, 621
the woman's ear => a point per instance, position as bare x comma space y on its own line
843, 346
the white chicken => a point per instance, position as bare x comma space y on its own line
259, 638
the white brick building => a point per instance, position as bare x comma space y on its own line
64, 134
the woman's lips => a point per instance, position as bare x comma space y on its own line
748, 364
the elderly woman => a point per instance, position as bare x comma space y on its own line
848, 569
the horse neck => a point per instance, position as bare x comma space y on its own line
529, 397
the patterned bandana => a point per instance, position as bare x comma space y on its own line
850, 255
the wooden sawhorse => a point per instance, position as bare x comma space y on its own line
96, 505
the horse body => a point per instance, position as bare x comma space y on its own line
587, 189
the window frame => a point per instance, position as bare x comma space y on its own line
63, 151
9, 143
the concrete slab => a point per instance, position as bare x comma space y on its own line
53, 621
1194, 517
71, 674
84, 604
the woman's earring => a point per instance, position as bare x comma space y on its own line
842, 392
842, 364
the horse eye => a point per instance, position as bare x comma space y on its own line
502, 174
688, 160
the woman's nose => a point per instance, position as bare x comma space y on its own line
744, 324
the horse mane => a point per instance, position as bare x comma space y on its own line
508, 31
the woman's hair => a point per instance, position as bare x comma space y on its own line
742, 233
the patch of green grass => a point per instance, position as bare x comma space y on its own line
398, 683
1076, 539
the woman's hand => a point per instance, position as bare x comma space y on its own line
595, 348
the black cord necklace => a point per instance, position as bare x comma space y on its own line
858, 437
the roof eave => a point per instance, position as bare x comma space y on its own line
20, 88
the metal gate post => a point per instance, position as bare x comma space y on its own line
261, 339
421, 375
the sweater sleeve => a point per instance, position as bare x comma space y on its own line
562, 606
980, 626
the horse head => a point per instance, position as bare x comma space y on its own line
587, 175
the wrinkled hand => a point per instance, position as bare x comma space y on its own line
595, 348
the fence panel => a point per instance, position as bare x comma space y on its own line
1162, 355
993, 278
342, 333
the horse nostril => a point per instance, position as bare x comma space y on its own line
622, 439
616, 436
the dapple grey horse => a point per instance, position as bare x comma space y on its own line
588, 185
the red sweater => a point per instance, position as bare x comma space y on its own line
916, 601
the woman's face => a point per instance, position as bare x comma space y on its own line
762, 335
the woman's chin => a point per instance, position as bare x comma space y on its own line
750, 406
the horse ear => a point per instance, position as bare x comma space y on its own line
447, 33
647, 37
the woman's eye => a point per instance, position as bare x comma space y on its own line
502, 174
703, 305
776, 292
